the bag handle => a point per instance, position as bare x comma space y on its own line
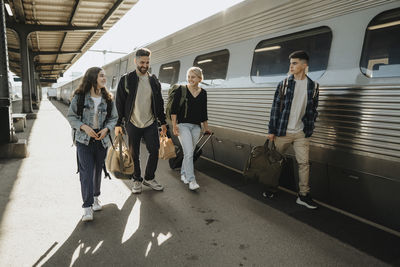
266, 145
121, 162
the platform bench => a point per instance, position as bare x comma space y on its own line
19, 120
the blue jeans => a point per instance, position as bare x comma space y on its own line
188, 136
91, 160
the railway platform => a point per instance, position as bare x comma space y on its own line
225, 223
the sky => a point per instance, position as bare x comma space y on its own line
146, 22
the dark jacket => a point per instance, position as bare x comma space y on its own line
125, 99
279, 120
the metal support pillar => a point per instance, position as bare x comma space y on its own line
37, 82
32, 83
6, 124
26, 86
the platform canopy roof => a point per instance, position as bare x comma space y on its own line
60, 31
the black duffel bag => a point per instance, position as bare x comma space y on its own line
264, 164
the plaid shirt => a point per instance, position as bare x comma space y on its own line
279, 120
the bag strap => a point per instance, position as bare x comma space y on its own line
106, 174
183, 99
316, 89
109, 110
126, 84
282, 93
121, 162
80, 104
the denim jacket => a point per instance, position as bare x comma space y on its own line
279, 120
87, 118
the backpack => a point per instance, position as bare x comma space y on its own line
283, 89
171, 95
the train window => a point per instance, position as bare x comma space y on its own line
271, 57
169, 73
381, 52
214, 65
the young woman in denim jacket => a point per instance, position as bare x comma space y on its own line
187, 123
90, 133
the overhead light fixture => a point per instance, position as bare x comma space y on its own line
8, 8
167, 68
276, 47
384, 25
204, 61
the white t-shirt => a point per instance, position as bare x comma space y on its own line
97, 101
298, 109
142, 115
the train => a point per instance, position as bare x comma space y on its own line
354, 56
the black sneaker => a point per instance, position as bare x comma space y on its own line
306, 201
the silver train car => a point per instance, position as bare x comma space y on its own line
355, 56
64, 92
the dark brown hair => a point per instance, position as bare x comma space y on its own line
143, 52
89, 80
300, 55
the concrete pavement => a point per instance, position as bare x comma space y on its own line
40, 211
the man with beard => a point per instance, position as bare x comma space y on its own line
139, 103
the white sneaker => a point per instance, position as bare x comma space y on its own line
153, 184
87, 214
137, 187
193, 185
183, 179
97, 204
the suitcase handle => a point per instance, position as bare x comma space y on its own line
204, 141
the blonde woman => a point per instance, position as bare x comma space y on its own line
187, 123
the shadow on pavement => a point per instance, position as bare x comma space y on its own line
364, 237
117, 237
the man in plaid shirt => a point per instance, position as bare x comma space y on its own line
293, 114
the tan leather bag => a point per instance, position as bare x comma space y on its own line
119, 160
167, 148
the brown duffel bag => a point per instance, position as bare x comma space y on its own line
119, 160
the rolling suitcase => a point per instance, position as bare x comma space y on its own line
176, 162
